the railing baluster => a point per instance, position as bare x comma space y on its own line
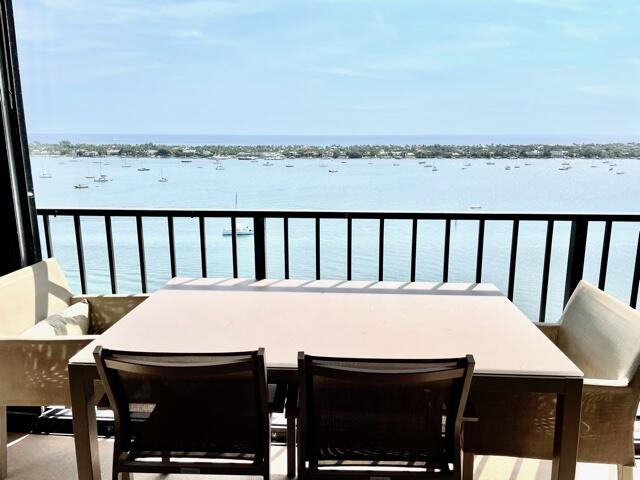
203, 246
447, 244
545, 272
604, 259
259, 248
172, 247
575, 258
79, 247
286, 247
513, 258
414, 247
317, 248
234, 248
47, 235
349, 246
110, 254
480, 251
381, 251
143, 266
636, 278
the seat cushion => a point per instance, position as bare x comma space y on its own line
600, 334
73, 320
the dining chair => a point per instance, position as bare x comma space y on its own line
187, 413
601, 335
381, 418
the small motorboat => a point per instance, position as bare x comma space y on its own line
80, 185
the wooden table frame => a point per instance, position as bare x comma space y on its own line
568, 389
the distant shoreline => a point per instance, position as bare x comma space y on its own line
249, 152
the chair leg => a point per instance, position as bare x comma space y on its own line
3, 442
291, 446
467, 466
625, 472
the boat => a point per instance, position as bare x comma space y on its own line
475, 207
101, 179
333, 170
343, 161
289, 165
619, 172
241, 228
162, 178
491, 162
434, 169
125, 164
143, 169
396, 164
468, 164
527, 164
45, 174
267, 164
220, 167
565, 168
80, 185
508, 167
422, 162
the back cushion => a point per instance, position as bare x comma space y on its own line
30, 295
73, 320
600, 334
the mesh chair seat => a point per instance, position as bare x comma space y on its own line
200, 407
381, 413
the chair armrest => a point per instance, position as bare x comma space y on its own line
105, 310
35, 371
551, 330
607, 384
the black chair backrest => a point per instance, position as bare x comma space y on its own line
364, 410
187, 405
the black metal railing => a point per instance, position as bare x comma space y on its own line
575, 259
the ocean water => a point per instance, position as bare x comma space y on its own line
324, 140
541, 187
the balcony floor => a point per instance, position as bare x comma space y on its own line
52, 457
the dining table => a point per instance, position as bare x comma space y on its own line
337, 318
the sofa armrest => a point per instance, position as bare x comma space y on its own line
105, 310
551, 330
35, 371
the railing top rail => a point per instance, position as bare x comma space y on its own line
342, 214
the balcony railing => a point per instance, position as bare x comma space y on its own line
577, 242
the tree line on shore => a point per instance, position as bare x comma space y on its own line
608, 150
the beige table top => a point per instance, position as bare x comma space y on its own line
337, 318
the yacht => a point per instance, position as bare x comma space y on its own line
162, 178
101, 179
81, 185
241, 229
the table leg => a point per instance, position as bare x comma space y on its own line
85, 428
567, 431
4, 453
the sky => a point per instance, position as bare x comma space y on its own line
330, 66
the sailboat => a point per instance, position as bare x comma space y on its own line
101, 177
45, 174
126, 164
162, 178
241, 228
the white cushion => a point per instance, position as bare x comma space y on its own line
600, 334
73, 320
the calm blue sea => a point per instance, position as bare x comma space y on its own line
357, 185
322, 140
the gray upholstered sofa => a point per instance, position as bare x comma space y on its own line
34, 368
